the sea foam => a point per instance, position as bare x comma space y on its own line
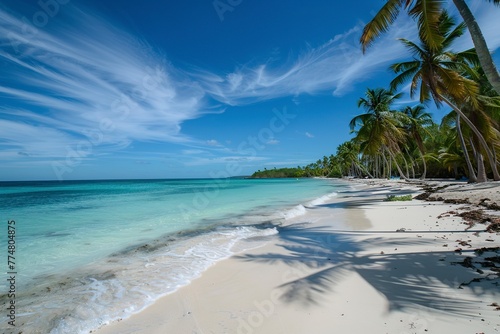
125, 283
98, 251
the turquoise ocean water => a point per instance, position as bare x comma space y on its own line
88, 252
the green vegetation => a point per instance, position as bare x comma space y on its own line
406, 141
279, 173
394, 198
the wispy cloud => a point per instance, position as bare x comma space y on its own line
86, 79
334, 66
309, 135
212, 142
273, 142
89, 78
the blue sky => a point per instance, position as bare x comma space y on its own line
174, 89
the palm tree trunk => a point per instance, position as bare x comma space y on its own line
390, 168
485, 146
455, 170
480, 44
401, 174
424, 165
377, 167
387, 166
406, 166
481, 171
472, 173
364, 169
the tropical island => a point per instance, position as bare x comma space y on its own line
368, 252
406, 141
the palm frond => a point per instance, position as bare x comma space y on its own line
428, 13
401, 67
417, 79
380, 23
452, 36
404, 77
426, 93
416, 50
470, 56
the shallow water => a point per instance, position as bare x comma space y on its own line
88, 252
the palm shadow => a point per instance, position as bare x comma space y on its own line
407, 280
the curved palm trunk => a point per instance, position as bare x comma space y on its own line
364, 169
481, 171
480, 44
387, 166
424, 165
472, 173
401, 174
483, 143
406, 166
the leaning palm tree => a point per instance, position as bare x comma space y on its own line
418, 119
453, 120
348, 160
450, 148
480, 45
437, 74
380, 128
427, 13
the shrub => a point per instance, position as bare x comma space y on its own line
394, 198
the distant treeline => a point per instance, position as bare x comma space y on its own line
278, 173
327, 167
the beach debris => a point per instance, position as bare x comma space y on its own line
447, 214
429, 190
473, 217
490, 206
483, 200
494, 226
496, 306
492, 263
463, 243
457, 201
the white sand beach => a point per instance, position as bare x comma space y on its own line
356, 264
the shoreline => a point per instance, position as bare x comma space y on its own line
395, 264
96, 255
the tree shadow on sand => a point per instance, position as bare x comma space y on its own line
409, 280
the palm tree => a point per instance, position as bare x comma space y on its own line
480, 45
435, 72
380, 128
427, 13
348, 161
325, 166
418, 120
451, 147
450, 120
